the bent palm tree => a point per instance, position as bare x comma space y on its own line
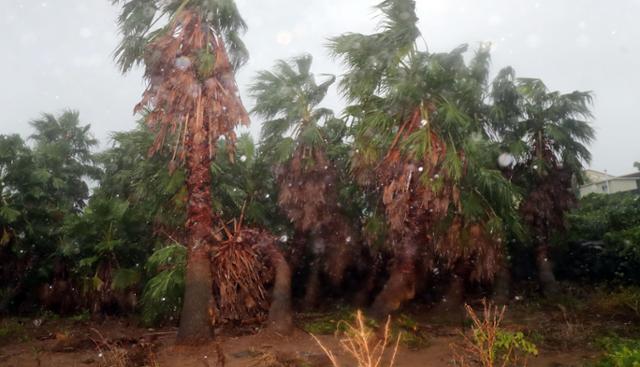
191, 97
420, 140
292, 139
548, 133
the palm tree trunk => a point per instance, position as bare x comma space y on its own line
280, 314
362, 296
546, 277
195, 319
337, 260
502, 284
312, 291
401, 284
454, 297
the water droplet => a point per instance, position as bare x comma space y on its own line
506, 160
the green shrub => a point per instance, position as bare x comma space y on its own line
622, 301
162, 295
620, 353
602, 243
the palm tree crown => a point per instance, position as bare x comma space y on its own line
288, 98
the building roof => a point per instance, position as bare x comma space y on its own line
631, 176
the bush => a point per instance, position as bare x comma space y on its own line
489, 345
602, 243
620, 353
623, 301
162, 296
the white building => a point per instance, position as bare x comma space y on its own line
603, 183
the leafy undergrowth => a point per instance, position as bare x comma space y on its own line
488, 344
362, 343
577, 316
12, 330
619, 352
412, 335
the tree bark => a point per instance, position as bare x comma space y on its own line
502, 285
312, 291
195, 319
450, 306
337, 260
454, 297
363, 296
280, 314
400, 287
547, 279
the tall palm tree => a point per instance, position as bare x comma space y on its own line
548, 132
293, 140
191, 97
421, 141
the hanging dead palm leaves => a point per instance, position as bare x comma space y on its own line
241, 274
192, 89
307, 189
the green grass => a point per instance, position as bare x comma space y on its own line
12, 330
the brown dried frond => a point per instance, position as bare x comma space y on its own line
472, 245
240, 276
544, 209
308, 193
363, 344
417, 192
191, 85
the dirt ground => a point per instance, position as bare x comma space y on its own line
562, 341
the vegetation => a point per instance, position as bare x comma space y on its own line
603, 239
360, 342
489, 345
620, 353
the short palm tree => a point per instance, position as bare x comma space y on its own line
40, 188
288, 98
191, 98
420, 140
63, 149
548, 132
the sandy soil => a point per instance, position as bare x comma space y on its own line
57, 343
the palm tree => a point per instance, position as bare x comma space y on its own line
20, 191
191, 97
421, 143
40, 188
548, 133
293, 140
63, 150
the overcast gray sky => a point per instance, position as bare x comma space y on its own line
57, 54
